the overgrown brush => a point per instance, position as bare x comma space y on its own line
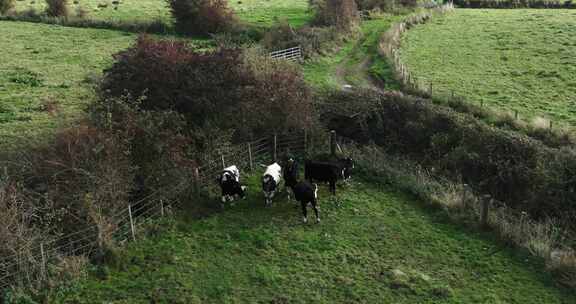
57, 8
202, 17
21, 233
312, 40
512, 167
6, 6
215, 91
342, 14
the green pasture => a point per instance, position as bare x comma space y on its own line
516, 60
377, 246
256, 12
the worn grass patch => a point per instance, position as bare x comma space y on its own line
522, 60
377, 247
256, 12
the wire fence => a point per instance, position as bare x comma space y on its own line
390, 45
30, 266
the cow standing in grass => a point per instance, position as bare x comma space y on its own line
306, 193
271, 182
291, 175
229, 181
329, 172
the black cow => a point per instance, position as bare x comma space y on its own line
290, 174
306, 194
229, 181
329, 172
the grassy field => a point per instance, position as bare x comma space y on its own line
522, 60
256, 12
44, 68
357, 62
377, 247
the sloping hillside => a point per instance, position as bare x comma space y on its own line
377, 247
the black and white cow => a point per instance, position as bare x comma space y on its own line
329, 172
271, 182
306, 193
229, 181
290, 174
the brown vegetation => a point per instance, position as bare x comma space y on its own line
202, 17
57, 8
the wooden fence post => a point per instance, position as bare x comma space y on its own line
305, 141
43, 267
486, 202
275, 147
250, 156
131, 222
223, 162
333, 143
196, 180
162, 208
465, 196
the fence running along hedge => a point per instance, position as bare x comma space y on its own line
513, 168
554, 135
24, 269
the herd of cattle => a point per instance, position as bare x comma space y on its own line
304, 191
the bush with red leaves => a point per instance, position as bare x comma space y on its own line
202, 17
217, 90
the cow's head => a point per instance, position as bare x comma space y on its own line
348, 165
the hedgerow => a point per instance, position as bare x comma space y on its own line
513, 168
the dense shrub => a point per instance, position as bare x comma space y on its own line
513, 168
202, 17
312, 40
20, 232
57, 8
214, 91
5, 6
343, 14
83, 177
159, 151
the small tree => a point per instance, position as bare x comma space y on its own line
5, 6
57, 8
343, 14
202, 17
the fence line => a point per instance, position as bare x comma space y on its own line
294, 53
29, 266
389, 46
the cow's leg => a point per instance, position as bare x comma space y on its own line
315, 207
304, 212
333, 187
